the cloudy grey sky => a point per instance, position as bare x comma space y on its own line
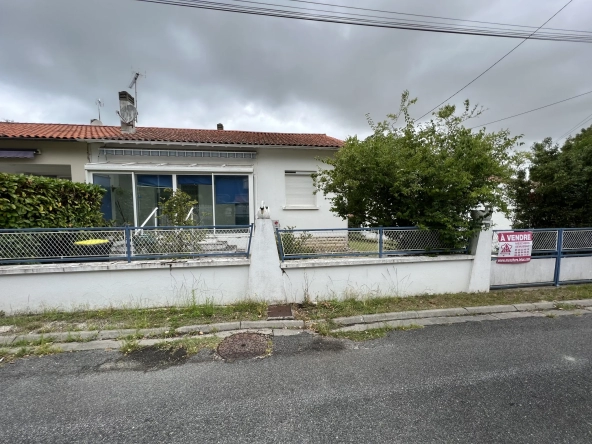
269, 74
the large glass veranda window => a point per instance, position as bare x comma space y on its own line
118, 200
132, 198
200, 189
150, 189
232, 200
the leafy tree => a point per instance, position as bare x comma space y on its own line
430, 175
555, 188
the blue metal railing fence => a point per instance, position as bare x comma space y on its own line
552, 243
52, 245
373, 242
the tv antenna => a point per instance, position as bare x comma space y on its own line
99, 104
134, 84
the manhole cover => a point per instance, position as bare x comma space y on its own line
243, 346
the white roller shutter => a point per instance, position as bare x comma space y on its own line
300, 189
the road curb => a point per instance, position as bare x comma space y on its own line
112, 339
109, 344
455, 312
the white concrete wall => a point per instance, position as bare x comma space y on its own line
535, 271
339, 278
576, 268
150, 284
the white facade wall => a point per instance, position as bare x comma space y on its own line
56, 158
270, 169
267, 172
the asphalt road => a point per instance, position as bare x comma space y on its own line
514, 381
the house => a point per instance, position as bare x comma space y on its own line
228, 172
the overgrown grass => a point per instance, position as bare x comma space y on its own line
190, 345
46, 349
129, 345
368, 305
135, 318
192, 312
78, 338
561, 306
372, 333
38, 342
8, 355
4, 352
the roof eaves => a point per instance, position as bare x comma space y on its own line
201, 144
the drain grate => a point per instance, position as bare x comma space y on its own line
243, 346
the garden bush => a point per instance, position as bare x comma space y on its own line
42, 202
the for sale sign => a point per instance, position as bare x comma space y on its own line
515, 247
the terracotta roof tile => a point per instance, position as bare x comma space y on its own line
151, 134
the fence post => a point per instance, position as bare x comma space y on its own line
250, 237
559, 253
380, 241
279, 242
128, 243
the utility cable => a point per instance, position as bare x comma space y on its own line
431, 22
385, 23
575, 127
499, 60
531, 111
431, 16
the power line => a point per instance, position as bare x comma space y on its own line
576, 126
499, 60
396, 13
384, 23
431, 16
532, 110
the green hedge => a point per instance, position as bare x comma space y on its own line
42, 202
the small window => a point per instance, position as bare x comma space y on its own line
300, 190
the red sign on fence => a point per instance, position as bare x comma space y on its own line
515, 247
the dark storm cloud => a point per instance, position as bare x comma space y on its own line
258, 73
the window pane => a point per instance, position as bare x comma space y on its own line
155, 180
300, 190
200, 189
232, 200
118, 201
149, 191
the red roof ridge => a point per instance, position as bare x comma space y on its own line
65, 131
165, 128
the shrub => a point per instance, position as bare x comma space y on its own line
42, 202
293, 244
